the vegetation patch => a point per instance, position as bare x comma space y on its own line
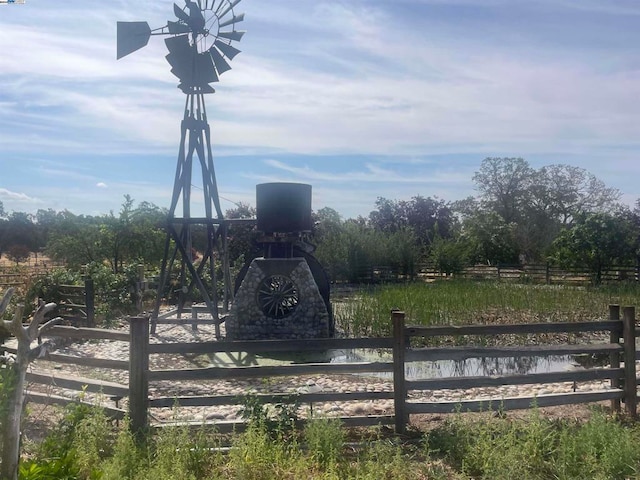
464, 302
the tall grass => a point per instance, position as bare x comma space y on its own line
462, 447
537, 448
461, 302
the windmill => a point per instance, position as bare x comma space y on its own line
200, 48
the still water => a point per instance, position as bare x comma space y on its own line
470, 367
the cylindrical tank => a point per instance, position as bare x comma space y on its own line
283, 207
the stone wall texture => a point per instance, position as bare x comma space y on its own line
308, 319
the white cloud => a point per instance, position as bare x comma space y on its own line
353, 79
101, 185
8, 194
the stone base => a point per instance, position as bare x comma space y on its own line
308, 318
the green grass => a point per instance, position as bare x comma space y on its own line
462, 447
536, 448
462, 302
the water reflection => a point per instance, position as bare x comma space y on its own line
471, 367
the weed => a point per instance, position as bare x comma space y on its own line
279, 421
325, 439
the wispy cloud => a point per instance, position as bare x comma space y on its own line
18, 196
359, 98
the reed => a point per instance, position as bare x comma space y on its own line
461, 302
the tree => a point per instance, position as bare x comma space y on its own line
565, 192
597, 241
425, 216
504, 185
25, 335
490, 239
18, 229
18, 253
242, 238
540, 203
135, 235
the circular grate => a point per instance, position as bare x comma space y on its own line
277, 296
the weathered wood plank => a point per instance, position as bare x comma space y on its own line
319, 397
513, 403
455, 383
466, 352
518, 329
88, 361
229, 426
87, 333
214, 373
79, 383
257, 346
186, 321
46, 399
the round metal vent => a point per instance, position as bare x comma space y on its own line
277, 296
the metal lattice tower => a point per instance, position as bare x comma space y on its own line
200, 46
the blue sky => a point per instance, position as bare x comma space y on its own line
360, 98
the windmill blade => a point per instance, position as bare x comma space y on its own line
233, 35
196, 18
220, 5
205, 71
218, 60
181, 14
231, 21
180, 57
177, 28
232, 4
131, 36
227, 50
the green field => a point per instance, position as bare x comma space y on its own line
367, 311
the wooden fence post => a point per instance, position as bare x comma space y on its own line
630, 382
138, 374
547, 274
140, 288
614, 358
399, 387
90, 301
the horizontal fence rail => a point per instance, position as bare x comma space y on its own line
617, 376
408, 395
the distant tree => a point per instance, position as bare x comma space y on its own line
597, 241
565, 192
18, 253
450, 256
490, 239
242, 238
19, 230
540, 203
504, 185
329, 235
135, 235
425, 216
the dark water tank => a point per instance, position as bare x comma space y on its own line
283, 207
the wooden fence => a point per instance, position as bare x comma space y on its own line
77, 303
544, 273
620, 374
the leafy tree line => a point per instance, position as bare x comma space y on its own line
557, 213
136, 233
